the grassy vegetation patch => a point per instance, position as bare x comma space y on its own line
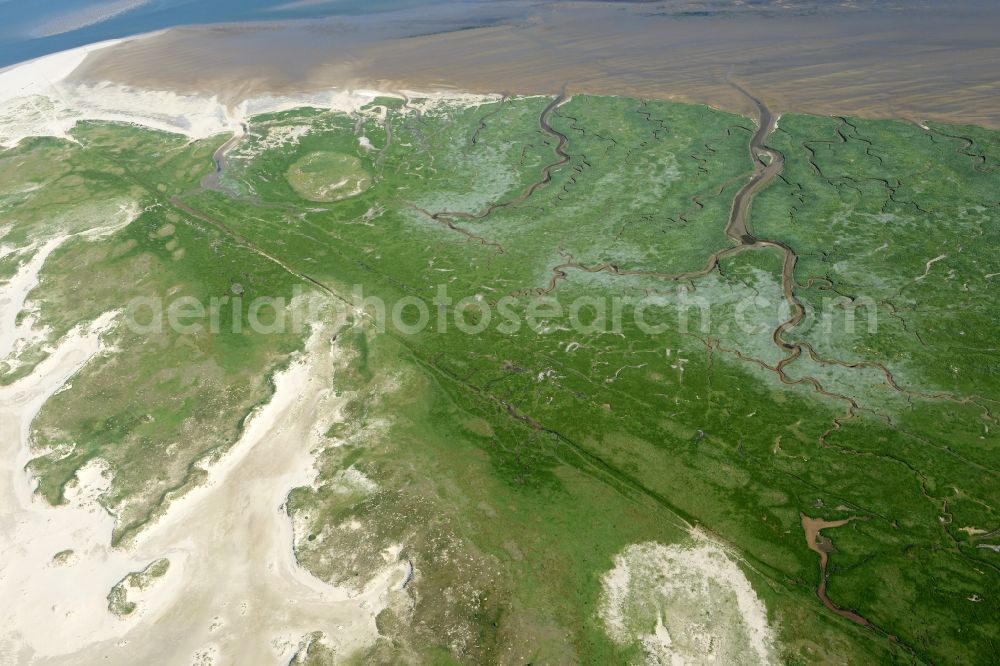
138, 581
327, 176
511, 467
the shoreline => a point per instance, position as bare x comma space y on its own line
62, 80
160, 79
45, 101
871, 65
876, 62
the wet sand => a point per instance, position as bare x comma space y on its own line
918, 64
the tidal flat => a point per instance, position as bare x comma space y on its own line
913, 60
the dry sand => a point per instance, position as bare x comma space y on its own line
234, 592
695, 598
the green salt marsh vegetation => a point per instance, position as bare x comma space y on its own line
510, 468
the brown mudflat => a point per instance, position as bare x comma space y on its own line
823, 546
919, 63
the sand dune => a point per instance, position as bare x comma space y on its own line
234, 592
